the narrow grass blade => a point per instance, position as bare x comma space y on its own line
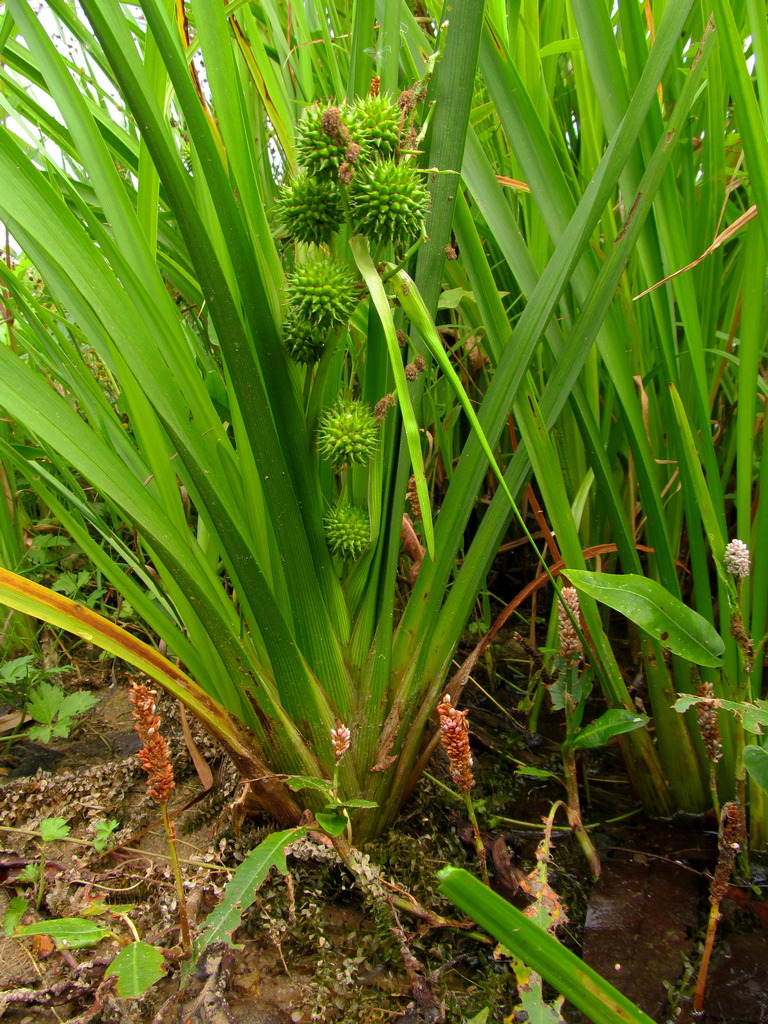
569, 975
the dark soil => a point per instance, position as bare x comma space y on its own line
312, 948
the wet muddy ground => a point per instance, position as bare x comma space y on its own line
312, 948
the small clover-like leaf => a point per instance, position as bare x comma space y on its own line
14, 913
104, 831
77, 703
44, 702
52, 829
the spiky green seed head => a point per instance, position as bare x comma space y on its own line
388, 202
323, 137
309, 209
347, 531
321, 292
348, 433
378, 119
304, 342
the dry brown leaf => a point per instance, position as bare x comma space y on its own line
729, 232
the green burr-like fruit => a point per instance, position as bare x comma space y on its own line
347, 531
378, 119
322, 139
304, 342
388, 202
347, 433
309, 209
321, 293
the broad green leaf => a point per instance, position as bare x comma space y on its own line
650, 606
479, 1018
334, 824
612, 722
104, 831
30, 872
77, 703
137, 966
756, 763
69, 932
590, 993
575, 691
451, 298
532, 1000
684, 703
753, 719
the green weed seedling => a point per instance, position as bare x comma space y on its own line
334, 818
56, 711
90, 589
569, 684
51, 831
18, 679
137, 966
104, 831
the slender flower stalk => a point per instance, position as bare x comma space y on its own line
737, 561
156, 763
454, 736
706, 716
730, 842
570, 653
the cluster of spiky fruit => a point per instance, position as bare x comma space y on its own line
321, 296
356, 148
359, 147
347, 530
303, 342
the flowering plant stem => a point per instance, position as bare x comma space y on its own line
170, 836
574, 811
479, 844
730, 841
155, 760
